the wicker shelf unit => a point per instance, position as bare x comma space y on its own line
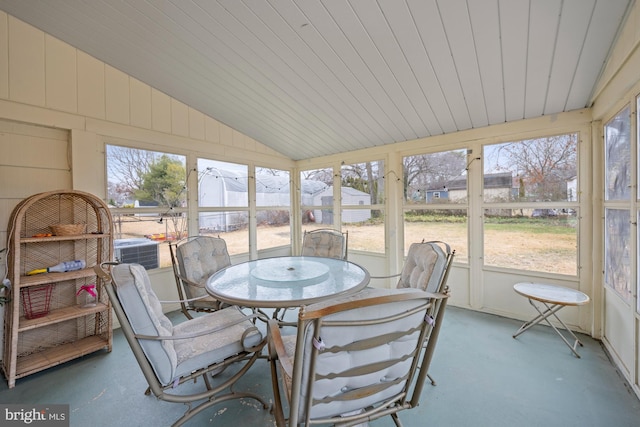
64, 328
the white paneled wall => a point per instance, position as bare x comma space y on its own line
39, 70
32, 159
61, 88
26, 74
619, 86
90, 83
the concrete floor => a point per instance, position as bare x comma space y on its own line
484, 378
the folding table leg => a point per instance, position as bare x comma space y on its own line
544, 315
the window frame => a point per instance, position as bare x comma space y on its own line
450, 231
165, 214
569, 208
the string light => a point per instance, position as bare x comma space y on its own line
394, 173
471, 161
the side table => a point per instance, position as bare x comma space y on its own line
551, 299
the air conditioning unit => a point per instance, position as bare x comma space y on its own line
138, 251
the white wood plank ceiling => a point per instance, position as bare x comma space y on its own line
317, 77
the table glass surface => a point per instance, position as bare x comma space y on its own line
286, 281
551, 293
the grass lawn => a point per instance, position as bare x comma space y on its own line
540, 244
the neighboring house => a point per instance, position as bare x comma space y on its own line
497, 187
442, 193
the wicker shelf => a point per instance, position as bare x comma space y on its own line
63, 238
60, 315
41, 279
39, 361
47, 326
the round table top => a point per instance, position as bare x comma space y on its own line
551, 294
290, 281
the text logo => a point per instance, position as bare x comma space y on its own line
34, 415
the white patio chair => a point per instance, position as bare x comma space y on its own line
170, 355
355, 359
194, 260
325, 242
427, 266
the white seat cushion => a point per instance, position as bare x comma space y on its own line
145, 315
347, 363
194, 353
172, 359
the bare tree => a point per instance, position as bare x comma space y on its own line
427, 171
364, 177
321, 175
543, 165
268, 171
126, 168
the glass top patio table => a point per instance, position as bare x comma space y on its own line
288, 281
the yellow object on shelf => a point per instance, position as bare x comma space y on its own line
77, 264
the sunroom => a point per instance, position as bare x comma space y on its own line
507, 129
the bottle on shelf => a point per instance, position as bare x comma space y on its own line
77, 264
90, 295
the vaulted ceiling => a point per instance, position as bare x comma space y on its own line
316, 77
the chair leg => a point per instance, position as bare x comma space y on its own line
276, 409
433, 382
396, 420
186, 313
191, 412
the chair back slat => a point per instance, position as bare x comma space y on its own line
370, 353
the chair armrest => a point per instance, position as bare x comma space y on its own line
102, 272
189, 282
247, 317
277, 348
386, 277
182, 300
439, 295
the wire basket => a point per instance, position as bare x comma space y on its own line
36, 300
68, 229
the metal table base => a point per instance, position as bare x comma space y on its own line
544, 315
